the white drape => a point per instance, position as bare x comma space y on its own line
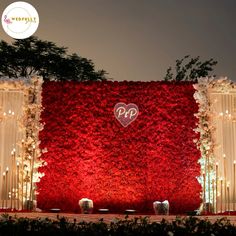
223, 106
11, 109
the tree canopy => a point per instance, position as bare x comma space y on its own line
32, 56
189, 69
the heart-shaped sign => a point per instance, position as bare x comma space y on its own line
126, 114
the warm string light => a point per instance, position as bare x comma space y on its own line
7, 115
227, 116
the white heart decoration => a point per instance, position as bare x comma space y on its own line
126, 114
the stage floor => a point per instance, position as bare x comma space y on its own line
111, 217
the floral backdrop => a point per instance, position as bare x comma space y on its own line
90, 154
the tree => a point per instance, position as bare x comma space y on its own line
32, 56
190, 70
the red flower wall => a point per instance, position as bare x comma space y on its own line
90, 154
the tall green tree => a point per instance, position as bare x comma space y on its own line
32, 56
189, 69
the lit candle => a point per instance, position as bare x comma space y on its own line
221, 195
228, 195
7, 169
204, 188
17, 184
3, 188
26, 190
31, 177
225, 179
22, 172
234, 186
217, 171
209, 182
213, 192
12, 176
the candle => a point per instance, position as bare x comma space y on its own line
205, 175
217, 171
7, 169
31, 177
12, 177
22, 172
26, 190
209, 182
234, 186
221, 194
17, 184
225, 179
228, 196
204, 190
213, 192
3, 188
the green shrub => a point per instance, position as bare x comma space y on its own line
13, 226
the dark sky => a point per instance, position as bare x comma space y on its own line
140, 39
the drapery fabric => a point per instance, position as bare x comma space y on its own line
11, 108
20, 108
223, 119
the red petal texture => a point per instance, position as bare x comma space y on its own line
90, 154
